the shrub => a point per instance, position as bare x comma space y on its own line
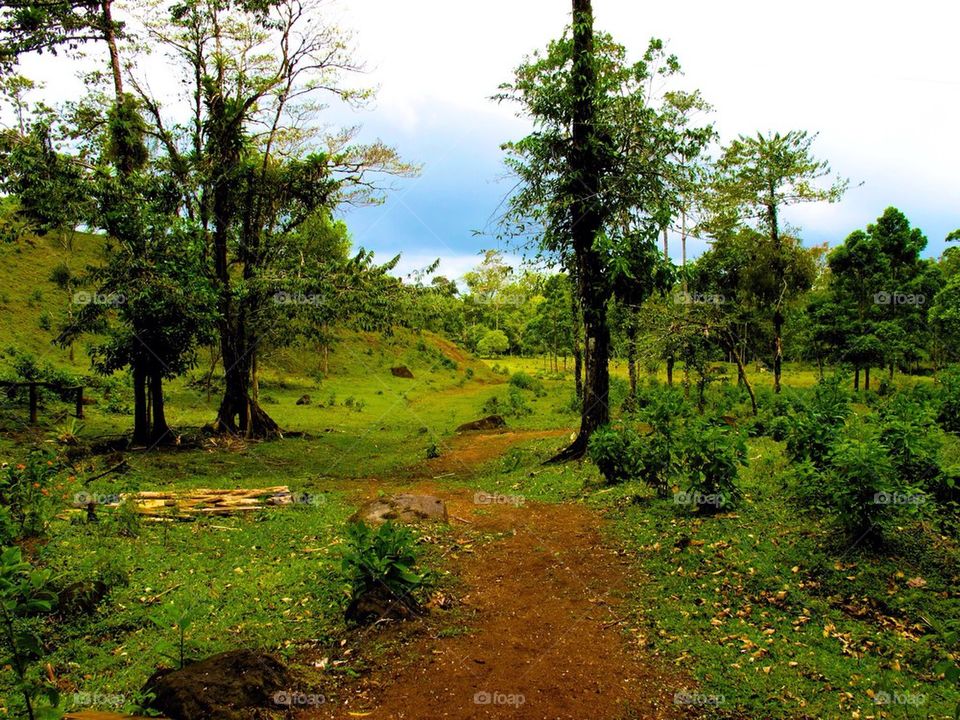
382, 558
25, 493
611, 450
815, 427
861, 484
525, 381
711, 456
949, 411
24, 593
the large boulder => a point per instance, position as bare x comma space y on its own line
401, 371
404, 509
235, 685
491, 422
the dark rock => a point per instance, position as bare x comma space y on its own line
491, 422
304, 400
81, 597
235, 685
403, 508
402, 372
381, 604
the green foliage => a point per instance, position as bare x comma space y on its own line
179, 616
816, 425
384, 557
712, 455
949, 414
24, 593
493, 342
525, 381
27, 496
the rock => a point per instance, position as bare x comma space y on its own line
491, 422
228, 686
403, 508
381, 604
304, 400
81, 597
401, 371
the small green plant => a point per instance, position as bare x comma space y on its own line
382, 558
23, 594
525, 381
815, 427
433, 451
180, 616
949, 412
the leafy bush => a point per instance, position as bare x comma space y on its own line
815, 427
861, 484
949, 413
612, 451
382, 558
26, 493
525, 381
711, 456
24, 593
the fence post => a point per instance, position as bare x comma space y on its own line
33, 403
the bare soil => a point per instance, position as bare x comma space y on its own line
541, 597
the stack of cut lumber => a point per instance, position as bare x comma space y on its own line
168, 503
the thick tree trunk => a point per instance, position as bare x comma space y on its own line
586, 222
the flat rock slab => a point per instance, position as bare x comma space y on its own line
491, 422
404, 509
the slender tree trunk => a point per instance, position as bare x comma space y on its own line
585, 167
110, 36
856, 379
160, 432
670, 361
141, 421
866, 378
632, 359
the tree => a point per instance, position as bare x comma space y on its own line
493, 342
756, 177
603, 156
251, 166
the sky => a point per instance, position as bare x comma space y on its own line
879, 82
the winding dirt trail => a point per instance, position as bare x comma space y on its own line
546, 637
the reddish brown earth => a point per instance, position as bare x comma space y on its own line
540, 595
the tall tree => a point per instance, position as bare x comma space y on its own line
604, 152
756, 177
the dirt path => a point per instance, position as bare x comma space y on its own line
546, 634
